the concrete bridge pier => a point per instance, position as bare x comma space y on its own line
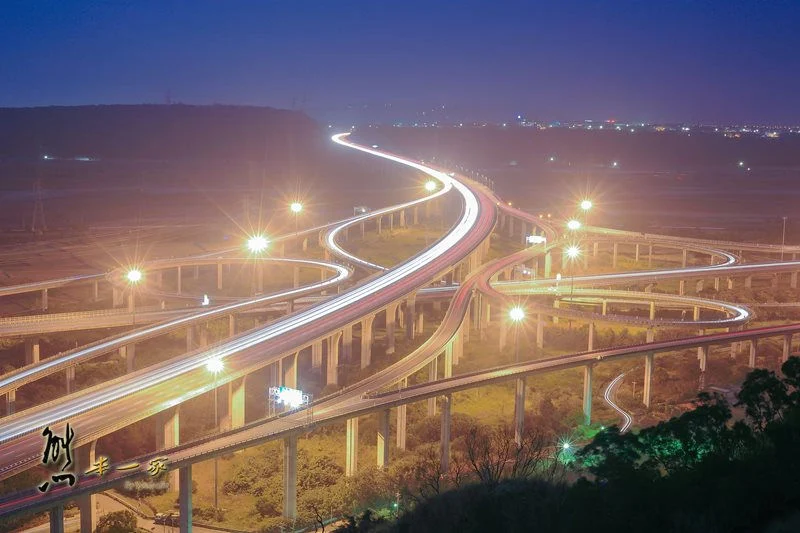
31, 350
57, 519
383, 438
587, 394
363, 230
648, 378
180, 279
716, 284
793, 280
316, 355
652, 310
11, 402
332, 373
548, 264
556, 305
351, 457
366, 341
753, 347
290, 477
96, 290
702, 355
402, 221
730, 284
128, 353
117, 297
433, 375
87, 503
787, 347
402, 419
70, 375
614, 255
378, 222
519, 410
539, 331
604, 307
650, 335
44, 300
595, 248
636, 256
234, 416
416, 215
347, 342
445, 434
684, 257
682, 287
649, 255
304, 244
590, 346
185, 498
231, 325
288, 370
510, 227
411, 310
420, 327
168, 435
391, 222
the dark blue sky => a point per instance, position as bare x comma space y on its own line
654, 60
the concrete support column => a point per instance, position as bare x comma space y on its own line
332, 374
702, 353
595, 248
185, 498
416, 215
698, 288
696, 313
748, 282
510, 227
652, 310
556, 305
793, 280
11, 402
604, 307
391, 222
716, 284
296, 277
433, 375
290, 477
379, 223
411, 311
684, 257
351, 457
614, 255
190, 338
730, 284
316, 355
57, 519
648, 377
774, 281
681, 287
87, 503
548, 264
168, 435
180, 280
539, 331
590, 346
31, 350
289, 370
44, 300
649, 255
96, 290
366, 341
402, 218
383, 435
519, 410
444, 441
650, 335
70, 373
753, 347
128, 353
231, 325
787, 347
235, 413
401, 419
347, 342
420, 322
203, 330
363, 230
219, 276
587, 394
637, 253
391, 316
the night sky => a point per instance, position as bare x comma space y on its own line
720, 61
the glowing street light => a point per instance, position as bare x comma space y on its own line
215, 366
296, 207
516, 314
257, 244
586, 205
574, 224
134, 275
430, 185
573, 252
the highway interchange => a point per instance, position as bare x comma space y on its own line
109, 406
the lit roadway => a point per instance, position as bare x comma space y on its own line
146, 392
109, 406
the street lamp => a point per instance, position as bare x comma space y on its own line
133, 276
257, 244
783, 236
574, 224
586, 205
296, 208
215, 366
430, 185
572, 253
517, 315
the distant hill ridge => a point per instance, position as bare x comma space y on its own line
151, 131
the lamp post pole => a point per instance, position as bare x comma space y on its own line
783, 237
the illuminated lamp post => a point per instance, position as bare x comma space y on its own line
215, 366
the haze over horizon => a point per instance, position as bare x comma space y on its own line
682, 61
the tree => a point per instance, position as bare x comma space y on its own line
763, 396
117, 522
